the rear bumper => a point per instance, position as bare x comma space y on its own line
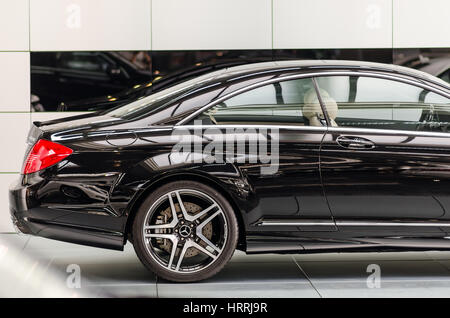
17, 202
46, 222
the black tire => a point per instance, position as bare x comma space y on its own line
144, 252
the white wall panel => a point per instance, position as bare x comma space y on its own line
419, 23
14, 81
332, 24
211, 24
14, 130
5, 220
60, 25
14, 25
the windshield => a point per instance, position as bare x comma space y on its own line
153, 101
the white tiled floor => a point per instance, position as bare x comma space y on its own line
120, 274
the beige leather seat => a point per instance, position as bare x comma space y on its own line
313, 111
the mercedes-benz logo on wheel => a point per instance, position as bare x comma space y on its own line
185, 231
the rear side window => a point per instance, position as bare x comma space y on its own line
369, 102
292, 102
185, 106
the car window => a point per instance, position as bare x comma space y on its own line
83, 61
291, 102
186, 106
147, 104
369, 102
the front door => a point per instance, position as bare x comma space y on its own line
385, 161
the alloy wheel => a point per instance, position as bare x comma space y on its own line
185, 231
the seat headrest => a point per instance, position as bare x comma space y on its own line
312, 109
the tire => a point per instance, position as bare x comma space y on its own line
204, 236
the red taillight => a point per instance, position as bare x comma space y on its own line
43, 155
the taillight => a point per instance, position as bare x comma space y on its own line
43, 155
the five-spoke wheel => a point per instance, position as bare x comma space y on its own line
185, 231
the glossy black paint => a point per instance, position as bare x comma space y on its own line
91, 197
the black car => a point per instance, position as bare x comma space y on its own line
279, 157
66, 76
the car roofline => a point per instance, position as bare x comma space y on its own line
287, 65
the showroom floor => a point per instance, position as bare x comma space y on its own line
120, 274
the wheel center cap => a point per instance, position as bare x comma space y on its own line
185, 231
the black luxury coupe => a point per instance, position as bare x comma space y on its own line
275, 157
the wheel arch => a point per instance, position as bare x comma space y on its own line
186, 176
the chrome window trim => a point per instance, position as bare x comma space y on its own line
392, 132
417, 82
329, 129
293, 127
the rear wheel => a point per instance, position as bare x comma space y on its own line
185, 231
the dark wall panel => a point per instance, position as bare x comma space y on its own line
87, 81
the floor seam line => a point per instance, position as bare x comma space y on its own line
26, 243
306, 276
438, 261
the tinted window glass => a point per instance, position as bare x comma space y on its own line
282, 103
186, 106
161, 98
368, 102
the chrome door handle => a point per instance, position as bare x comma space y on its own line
353, 142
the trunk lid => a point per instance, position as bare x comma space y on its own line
43, 130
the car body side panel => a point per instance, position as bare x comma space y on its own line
403, 179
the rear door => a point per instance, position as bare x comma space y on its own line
385, 162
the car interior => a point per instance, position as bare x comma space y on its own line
351, 101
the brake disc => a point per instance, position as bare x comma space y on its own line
166, 215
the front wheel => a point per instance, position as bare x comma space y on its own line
185, 231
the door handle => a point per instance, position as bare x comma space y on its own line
353, 142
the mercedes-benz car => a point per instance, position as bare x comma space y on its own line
275, 157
